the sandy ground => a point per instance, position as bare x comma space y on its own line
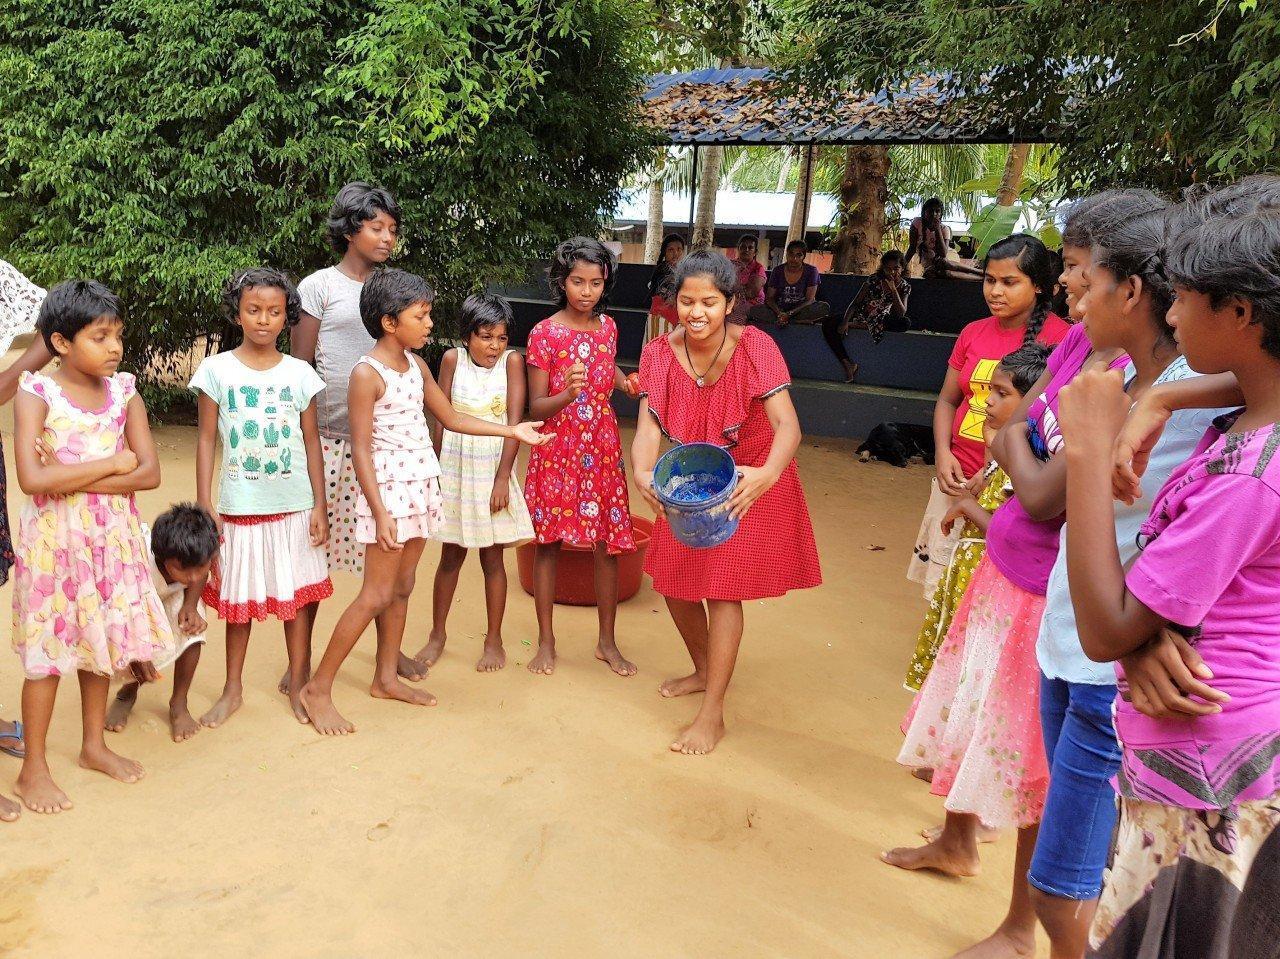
523, 816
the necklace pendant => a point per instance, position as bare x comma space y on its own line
701, 382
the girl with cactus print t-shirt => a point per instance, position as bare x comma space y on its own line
270, 506
264, 457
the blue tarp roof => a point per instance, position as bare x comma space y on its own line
745, 106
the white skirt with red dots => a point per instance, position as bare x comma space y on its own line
266, 568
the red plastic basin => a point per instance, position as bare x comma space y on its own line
576, 570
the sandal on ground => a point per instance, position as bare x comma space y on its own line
15, 736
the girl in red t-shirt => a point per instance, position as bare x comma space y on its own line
1018, 288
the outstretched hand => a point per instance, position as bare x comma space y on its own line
528, 433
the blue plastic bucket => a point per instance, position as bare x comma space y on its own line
694, 482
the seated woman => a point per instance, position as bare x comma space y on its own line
749, 289
791, 295
662, 313
931, 238
880, 305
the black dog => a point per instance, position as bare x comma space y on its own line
898, 444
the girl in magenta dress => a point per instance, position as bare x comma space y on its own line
712, 382
576, 488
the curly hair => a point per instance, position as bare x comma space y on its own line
581, 249
260, 276
356, 204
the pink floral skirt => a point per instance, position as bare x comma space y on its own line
976, 722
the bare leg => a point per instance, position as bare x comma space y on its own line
297, 643
494, 656
954, 852
1067, 922
120, 708
691, 620
380, 570
94, 753
233, 690
182, 726
607, 609
386, 680
1015, 937
724, 634
35, 785
546, 559
985, 834
452, 557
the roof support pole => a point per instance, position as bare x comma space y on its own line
804, 193
693, 193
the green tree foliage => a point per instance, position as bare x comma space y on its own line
1160, 94
160, 144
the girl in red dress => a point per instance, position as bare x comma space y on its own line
575, 488
709, 381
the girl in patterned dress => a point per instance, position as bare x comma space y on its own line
83, 598
1016, 374
575, 487
399, 505
713, 381
483, 506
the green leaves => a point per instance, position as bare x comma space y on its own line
158, 145
1161, 95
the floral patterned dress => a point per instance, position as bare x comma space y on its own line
575, 488
83, 596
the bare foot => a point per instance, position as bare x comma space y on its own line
984, 833
411, 669
182, 725
119, 710
401, 693
700, 738
323, 714
1002, 944
933, 856
430, 654
283, 685
9, 810
612, 655
222, 710
103, 760
925, 776
40, 793
493, 658
544, 663
299, 710
683, 686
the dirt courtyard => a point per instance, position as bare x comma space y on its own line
522, 816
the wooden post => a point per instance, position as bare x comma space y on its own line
1011, 180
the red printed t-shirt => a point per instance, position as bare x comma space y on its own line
978, 351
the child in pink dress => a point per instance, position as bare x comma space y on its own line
575, 487
399, 505
83, 599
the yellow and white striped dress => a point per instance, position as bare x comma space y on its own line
468, 464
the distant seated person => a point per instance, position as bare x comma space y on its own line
749, 290
880, 306
931, 238
662, 311
791, 295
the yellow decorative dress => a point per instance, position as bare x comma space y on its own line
951, 588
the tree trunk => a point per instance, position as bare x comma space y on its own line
784, 171
864, 193
1011, 181
704, 222
804, 190
653, 226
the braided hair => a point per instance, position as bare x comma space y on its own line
1128, 232
1033, 259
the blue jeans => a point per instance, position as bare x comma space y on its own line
1080, 810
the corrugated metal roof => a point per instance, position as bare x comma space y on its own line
744, 106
